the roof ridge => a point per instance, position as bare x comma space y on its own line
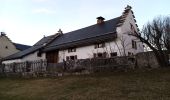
125, 14
91, 25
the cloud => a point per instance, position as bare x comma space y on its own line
43, 11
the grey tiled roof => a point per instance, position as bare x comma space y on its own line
30, 50
21, 46
43, 40
98, 32
81, 35
23, 53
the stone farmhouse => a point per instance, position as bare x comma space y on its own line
104, 39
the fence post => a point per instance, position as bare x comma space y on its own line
28, 66
64, 65
14, 67
3, 68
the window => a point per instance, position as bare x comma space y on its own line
132, 29
134, 45
94, 55
6, 47
100, 55
71, 50
71, 57
130, 54
39, 54
67, 57
113, 54
99, 45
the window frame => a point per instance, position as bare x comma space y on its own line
134, 44
71, 49
113, 54
99, 45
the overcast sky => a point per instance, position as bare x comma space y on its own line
27, 21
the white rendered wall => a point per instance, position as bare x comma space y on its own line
88, 51
33, 57
30, 57
123, 33
11, 61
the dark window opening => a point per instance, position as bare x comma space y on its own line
6, 47
71, 50
113, 54
94, 55
130, 54
71, 57
39, 54
67, 57
132, 29
134, 45
99, 45
100, 55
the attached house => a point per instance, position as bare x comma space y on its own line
7, 47
104, 39
31, 54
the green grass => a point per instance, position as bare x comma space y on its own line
138, 85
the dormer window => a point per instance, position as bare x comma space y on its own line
71, 50
99, 45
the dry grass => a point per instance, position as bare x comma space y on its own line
138, 85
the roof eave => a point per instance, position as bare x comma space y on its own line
84, 42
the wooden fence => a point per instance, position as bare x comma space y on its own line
28, 66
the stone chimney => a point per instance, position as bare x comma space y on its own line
100, 20
3, 34
128, 7
60, 31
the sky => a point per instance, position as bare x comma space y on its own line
27, 21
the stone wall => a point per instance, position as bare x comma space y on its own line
146, 60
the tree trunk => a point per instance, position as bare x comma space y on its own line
161, 58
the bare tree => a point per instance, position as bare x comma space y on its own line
166, 33
123, 46
155, 35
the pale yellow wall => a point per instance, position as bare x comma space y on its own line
11, 49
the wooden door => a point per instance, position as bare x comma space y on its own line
52, 57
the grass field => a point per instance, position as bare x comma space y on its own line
138, 85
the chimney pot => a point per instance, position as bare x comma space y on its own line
60, 31
100, 19
3, 34
128, 7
